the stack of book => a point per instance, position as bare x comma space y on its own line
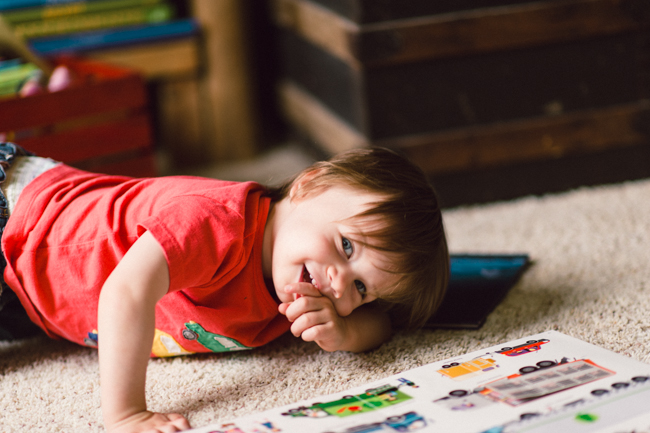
53, 27
14, 73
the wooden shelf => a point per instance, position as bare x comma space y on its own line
227, 82
161, 60
201, 88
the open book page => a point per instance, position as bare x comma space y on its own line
541, 383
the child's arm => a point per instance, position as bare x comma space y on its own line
126, 319
315, 319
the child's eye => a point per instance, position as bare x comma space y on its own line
347, 247
360, 287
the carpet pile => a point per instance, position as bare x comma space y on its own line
590, 279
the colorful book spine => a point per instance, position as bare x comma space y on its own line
93, 21
80, 7
6, 5
12, 77
109, 38
9, 63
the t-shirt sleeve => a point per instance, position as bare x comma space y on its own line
202, 239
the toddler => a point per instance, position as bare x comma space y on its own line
202, 265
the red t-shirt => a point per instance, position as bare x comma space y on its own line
70, 228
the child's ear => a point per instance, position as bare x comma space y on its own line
300, 182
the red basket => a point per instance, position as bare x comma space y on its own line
99, 123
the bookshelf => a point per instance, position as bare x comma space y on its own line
203, 101
202, 97
199, 85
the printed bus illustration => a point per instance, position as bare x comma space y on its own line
410, 421
547, 377
527, 347
465, 370
532, 382
373, 399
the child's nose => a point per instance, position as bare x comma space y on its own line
338, 281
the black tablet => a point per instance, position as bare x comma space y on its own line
478, 283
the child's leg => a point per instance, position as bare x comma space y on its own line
14, 322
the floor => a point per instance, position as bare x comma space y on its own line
271, 167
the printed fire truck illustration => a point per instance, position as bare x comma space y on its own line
465, 370
373, 399
527, 347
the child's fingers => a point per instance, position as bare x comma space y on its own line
179, 421
305, 305
317, 333
302, 289
328, 334
282, 308
303, 324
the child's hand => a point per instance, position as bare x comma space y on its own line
314, 317
151, 422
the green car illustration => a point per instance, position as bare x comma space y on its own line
214, 342
373, 399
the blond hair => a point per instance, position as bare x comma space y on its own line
410, 225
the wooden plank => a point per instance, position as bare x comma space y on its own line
547, 137
544, 137
454, 34
508, 182
368, 11
492, 29
79, 144
332, 81
422, 97
318, 25
321, 124
161, 60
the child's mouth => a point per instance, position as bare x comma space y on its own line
306, 277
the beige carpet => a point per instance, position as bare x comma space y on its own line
590, 280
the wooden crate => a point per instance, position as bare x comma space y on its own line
490, 83
370, 11
99, 123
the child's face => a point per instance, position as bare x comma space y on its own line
311, 244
